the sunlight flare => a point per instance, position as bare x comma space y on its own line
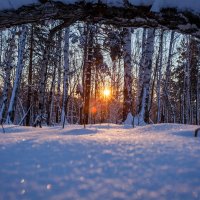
106, 92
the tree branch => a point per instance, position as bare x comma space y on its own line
127, 16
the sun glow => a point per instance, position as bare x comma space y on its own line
106, 92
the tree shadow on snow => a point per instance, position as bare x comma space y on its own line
187, 133
17, 129
80, 132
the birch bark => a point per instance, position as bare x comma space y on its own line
20, 65
8, 67
149, 50
127, 106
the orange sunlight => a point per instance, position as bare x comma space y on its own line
106, 92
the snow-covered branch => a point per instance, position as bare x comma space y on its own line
181, 19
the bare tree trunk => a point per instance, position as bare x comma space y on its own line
113, 78
183, 108
30, 70
87, 74
159, 75
85, 60
147, 74
127, 106
187, 85
21, 48
58, 96
198, 99
149, 50
65, 77
1, 45
51, 98
166, 98
8, 67
154, 82
42, 84
141, 71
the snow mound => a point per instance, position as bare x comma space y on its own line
138, 121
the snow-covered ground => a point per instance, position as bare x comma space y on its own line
100, 162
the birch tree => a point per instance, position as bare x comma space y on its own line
127, 107
141, 70
21, 49
59, 79
30, 77
65, 77
8, 65
149, 50
159, 74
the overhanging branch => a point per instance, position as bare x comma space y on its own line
184, 22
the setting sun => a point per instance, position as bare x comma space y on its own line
106, 92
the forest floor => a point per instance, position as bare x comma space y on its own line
100, 162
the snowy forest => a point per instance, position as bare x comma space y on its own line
99, 99
94, 73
